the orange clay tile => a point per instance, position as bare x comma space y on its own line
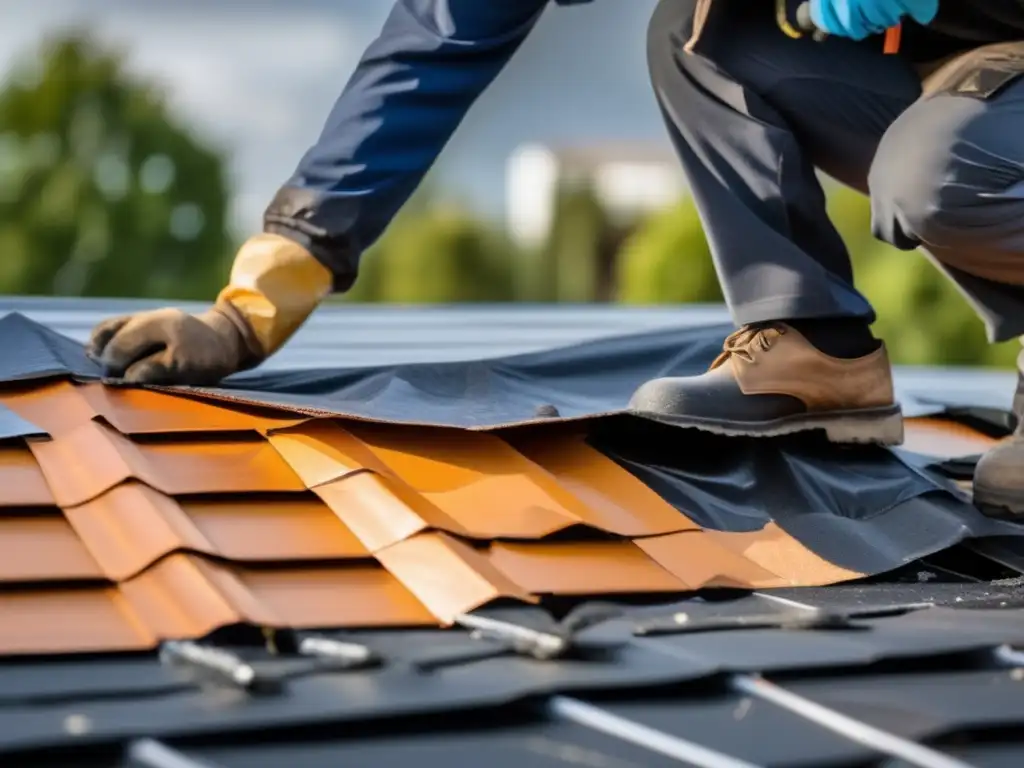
448, 576
583, 568
93, 458
185, 596
945, 438
615, 500
61, 406
322, 451
477, 479
775, 550
188, 597
23, 483
43, 547
473, 484
255, 529
63, 620
381, 510
355, 596
699, 561
132, 526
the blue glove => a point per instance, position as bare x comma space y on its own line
858, 19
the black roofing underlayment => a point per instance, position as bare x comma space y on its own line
922, 656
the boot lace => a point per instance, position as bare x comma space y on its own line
748, 340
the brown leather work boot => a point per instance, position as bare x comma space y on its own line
999, 476
769, 381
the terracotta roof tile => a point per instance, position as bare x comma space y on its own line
93, 458
22, 480
611, 499
699, 561
479, 481
382, 511
186, 596
448, 576
150, 515
132, 526
776, 551
583, 568
352, 596
322, 451
60, 406
66, 620
43, 547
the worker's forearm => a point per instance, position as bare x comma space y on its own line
408, 95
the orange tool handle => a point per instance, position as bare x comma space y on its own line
893, 38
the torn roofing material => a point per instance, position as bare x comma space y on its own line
154, 515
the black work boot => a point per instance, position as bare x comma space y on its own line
770, 380
999, 476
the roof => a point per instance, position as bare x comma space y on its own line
334, 534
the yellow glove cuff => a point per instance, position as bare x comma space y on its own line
275, 285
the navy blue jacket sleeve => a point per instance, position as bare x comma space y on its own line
409, 93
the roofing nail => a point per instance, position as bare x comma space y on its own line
348, 655
541, 645
225, 664
149, 753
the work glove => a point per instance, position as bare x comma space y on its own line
275, 285
858, 19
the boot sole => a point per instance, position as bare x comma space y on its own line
876, 426
1000, 505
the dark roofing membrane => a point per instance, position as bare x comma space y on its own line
925, 655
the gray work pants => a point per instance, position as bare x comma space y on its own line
753, 113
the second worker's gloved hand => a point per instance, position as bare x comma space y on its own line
858, 19
275, 285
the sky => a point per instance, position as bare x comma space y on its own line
258, 77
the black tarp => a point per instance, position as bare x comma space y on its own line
586, 380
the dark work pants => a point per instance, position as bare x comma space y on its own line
753, 113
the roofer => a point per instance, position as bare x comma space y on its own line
752, 110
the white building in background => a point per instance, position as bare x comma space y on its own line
629, 179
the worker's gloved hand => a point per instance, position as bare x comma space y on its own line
858, 19
275, 285
168, 346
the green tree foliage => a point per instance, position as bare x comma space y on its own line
572, 254
437, 255
577, 261
667, 261
102, 190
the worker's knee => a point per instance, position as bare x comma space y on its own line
948, 174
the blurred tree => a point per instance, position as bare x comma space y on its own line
667, 261
102, 190
577, 260
440, 255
